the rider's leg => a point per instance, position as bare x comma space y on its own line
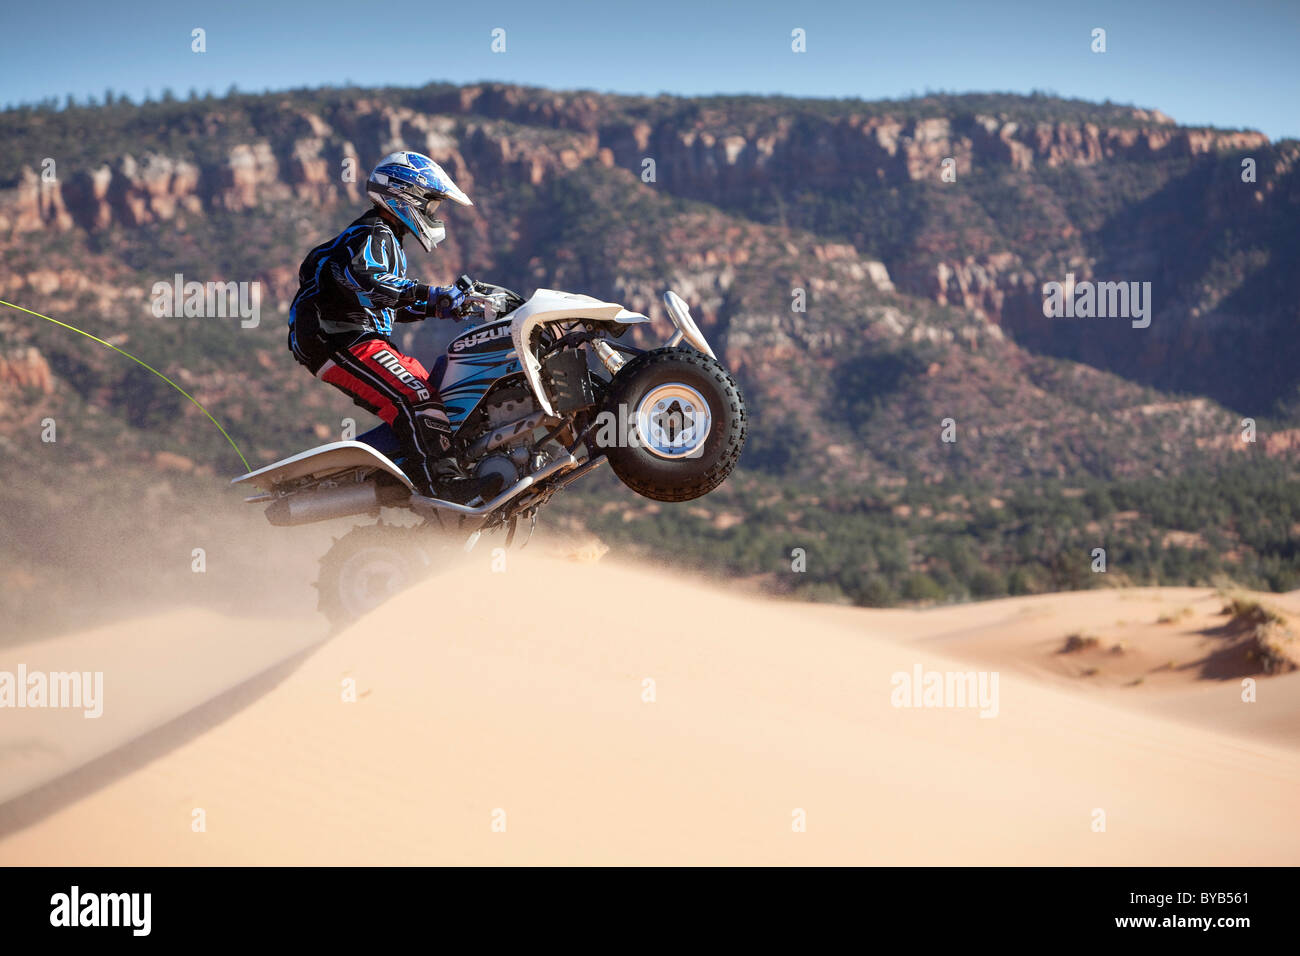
396, 387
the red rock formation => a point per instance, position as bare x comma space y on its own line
23, 369
34, 203
711, 156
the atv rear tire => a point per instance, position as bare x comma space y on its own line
366, 567
681, 424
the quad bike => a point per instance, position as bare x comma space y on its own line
540, 392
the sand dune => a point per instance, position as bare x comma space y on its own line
504, 699
1161, 650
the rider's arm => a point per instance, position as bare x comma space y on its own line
376, 275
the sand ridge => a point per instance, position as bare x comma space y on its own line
650, 718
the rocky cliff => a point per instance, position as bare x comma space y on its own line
802, 233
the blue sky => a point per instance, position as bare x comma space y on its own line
1218, 63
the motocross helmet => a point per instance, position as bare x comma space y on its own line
410, 186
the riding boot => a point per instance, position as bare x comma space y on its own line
451, 483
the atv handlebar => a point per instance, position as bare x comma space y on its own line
478, 298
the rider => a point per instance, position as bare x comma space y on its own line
351, 290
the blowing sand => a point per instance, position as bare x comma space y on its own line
598, 713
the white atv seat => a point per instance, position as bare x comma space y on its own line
318, 462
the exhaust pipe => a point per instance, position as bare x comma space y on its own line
321, 504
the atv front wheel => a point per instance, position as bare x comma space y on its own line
680, 424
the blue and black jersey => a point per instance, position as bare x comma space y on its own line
357, 282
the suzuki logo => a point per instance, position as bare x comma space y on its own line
478, 338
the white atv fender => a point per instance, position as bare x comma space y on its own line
549, 305
321, 461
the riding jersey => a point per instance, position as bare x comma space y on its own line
357, 282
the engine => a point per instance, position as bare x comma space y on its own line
505, 436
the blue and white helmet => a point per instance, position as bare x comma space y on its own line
410, 186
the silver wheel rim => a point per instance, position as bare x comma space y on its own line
673, 421
370, 577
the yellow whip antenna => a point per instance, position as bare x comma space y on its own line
146, 365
